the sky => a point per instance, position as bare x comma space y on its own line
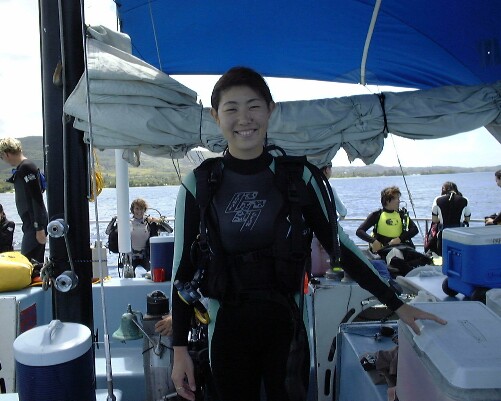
21, 110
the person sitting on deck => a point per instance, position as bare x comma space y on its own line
392, 234
340, 206
142, 228
6, 232
495, 218
450, 209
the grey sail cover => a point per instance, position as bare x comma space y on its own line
135, 106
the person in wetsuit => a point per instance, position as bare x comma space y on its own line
6, 232
251, 329
495, 218
389, 226
142, 228
392, 232
449, 210
29, 200
340, 206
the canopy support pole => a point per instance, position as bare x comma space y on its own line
368, 39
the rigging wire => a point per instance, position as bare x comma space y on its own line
407, 187
107, 348
177, 168
155, 35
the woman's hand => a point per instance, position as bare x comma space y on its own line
41, 237
395, 241
183, 375
409, 314
376, 246
164, 326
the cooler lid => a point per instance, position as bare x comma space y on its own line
485, 235
161, 239
467, 350
52, 344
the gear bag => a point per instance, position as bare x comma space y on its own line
112, 231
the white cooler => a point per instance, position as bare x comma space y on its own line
456, 362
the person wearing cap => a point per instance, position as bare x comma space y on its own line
6, 232
340, 207
29, 201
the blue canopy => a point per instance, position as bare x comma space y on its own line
416, 44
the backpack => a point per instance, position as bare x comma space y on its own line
42, 180
112, 231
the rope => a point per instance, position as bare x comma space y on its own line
96, 179
382, 98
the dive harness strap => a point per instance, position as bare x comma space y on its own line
207, 180
291, 169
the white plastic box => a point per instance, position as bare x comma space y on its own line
493, 300
459, 361
472, 258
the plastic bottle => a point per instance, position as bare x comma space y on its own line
99, 253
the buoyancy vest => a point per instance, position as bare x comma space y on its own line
288, 256
391, 225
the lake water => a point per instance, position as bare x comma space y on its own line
360, 195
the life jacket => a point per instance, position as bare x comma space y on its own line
290, 253
391, 225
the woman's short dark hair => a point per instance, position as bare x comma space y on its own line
450, 187
498, 174
240, 76
388, 194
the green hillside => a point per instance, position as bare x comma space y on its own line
153, 171
156, 171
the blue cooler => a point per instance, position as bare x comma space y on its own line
471, 260
162, 254
55, 362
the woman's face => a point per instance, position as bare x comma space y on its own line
243, 118
138, 212
393, 204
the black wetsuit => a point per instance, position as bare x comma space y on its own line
451, 208
250, 335
31, 209
6, 235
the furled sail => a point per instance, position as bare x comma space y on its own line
136, 106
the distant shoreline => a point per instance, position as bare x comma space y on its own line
160, 171
166, 178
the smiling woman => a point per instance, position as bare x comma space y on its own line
242, 112
254, 273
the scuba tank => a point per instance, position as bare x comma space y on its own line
157, 350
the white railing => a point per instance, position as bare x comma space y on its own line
418, 239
